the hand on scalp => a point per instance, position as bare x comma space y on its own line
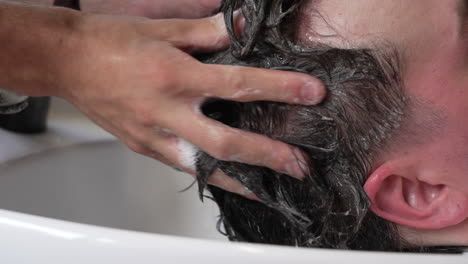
135, 78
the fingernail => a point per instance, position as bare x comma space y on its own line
245, 191
253, 197
312, 93
239, 22
248, 194
294, 169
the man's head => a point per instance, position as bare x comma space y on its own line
391, 136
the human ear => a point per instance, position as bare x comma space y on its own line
404, 199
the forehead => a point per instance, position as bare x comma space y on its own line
359, 22
426, 34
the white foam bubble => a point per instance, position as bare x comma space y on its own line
187, 153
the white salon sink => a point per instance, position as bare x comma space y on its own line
75, 195
105, 184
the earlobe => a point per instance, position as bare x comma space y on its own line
406, 200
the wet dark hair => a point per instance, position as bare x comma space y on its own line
364, 109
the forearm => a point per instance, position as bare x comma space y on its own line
35, 2
35, 40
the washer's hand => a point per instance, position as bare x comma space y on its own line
133, 77
153, 8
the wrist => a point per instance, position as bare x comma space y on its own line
112, 7
60, 50
96, 43
33, 41
68, 56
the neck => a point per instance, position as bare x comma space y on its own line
455, 235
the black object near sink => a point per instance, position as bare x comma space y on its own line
31, 120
